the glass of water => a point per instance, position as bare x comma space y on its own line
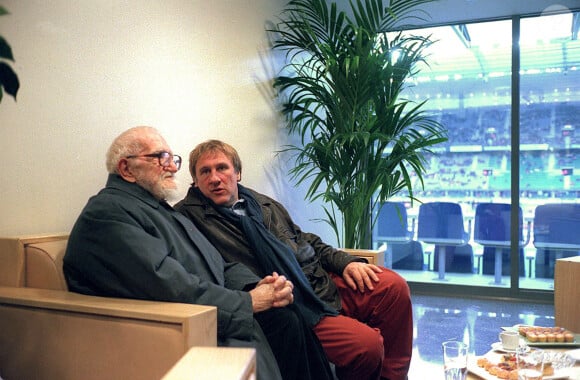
455, 360
530, 363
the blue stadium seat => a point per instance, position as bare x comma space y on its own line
441, 223
492, 230
392, 228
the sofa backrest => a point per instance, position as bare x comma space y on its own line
33, 262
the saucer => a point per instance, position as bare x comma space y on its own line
497, 346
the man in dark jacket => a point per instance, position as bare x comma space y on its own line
128, 242
370, 334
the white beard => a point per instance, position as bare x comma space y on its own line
159, 189
171, 195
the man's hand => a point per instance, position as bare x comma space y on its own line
361, 276
272, 291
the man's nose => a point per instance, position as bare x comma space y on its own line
213, 177
171, 167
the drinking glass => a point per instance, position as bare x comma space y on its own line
455, 360
530, 363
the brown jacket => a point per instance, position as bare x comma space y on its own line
316, 258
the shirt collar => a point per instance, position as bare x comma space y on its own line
239, 207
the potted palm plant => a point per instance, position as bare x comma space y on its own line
340, 90
8, 79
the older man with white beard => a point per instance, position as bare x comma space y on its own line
129, 242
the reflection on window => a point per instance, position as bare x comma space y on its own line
550, 113
468, 84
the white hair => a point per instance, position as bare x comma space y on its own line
131, 142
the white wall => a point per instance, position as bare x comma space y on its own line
90, 69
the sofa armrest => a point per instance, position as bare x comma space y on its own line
232, 363
49, 334
373, 256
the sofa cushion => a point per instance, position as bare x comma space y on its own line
39, 267
43, 263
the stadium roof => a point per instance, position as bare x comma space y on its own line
473, 62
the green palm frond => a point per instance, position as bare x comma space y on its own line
340, 91
8, 79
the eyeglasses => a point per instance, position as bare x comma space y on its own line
165, 158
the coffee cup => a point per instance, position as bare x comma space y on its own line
509, 339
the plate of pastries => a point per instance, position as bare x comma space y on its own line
546, 336
493, 366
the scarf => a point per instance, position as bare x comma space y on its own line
275, 256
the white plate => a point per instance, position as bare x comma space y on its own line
560, 373
497, 346
574, 354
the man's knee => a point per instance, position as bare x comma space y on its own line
282, 322
368, 350
393, 286
288, 319
365, 357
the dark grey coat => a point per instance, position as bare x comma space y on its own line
128, 244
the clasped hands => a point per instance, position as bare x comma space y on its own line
272, 291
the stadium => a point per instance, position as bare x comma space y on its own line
491, 119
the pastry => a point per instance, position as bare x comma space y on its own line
548, 369
488, 365
482, 361
503, 374
504, 368
532, 337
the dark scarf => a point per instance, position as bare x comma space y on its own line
275, 256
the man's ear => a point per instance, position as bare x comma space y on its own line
124, 170
239, 176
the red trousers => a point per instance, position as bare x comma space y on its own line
373, 336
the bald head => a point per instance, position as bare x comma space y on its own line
141, 155
133, 141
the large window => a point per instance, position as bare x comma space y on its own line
499, 126
549, 154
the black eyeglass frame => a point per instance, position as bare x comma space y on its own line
164, 158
